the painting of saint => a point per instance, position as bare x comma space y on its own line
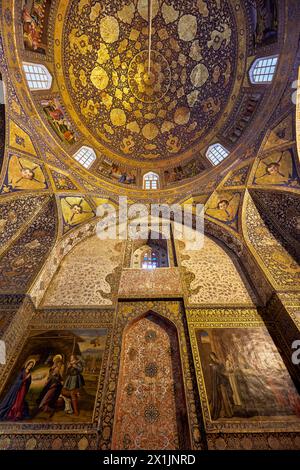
57, 119
245, 376
222, 393
264, 14
14, 406
25, 174
225, 209
113, 171
59, 380
278, 170
52, 388
35, 16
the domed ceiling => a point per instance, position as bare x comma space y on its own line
149, 86
149, 108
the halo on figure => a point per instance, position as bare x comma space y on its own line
58, 357
29, 361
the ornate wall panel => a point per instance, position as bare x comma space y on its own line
150, 409
129, 312
269, 248
243, 382
21, 263
213, 277
15, 212
89, 275
162, 282
284, 210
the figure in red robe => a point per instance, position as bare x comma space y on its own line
14, 406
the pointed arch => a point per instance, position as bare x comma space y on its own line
151, 409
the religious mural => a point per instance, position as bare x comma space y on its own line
23, 174
277, 169
58, 120
245, 376
35, 17
224, 207
271, 248
150, 389
116, 172
265, 21
182, 172
56, 377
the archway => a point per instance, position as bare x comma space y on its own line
151, 408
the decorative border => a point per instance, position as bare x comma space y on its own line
238, 318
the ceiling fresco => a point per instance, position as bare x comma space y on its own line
139, 115
157, 110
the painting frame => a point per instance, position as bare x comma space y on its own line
224, 319
49, 320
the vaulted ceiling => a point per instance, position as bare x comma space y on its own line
144, 112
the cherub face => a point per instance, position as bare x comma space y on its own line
27, 173
76, 209
223, 205
273, 168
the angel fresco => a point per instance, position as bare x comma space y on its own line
225, 210
25, 174
76, 210
277, 169
58, 121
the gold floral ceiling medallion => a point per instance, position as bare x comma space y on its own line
149, 85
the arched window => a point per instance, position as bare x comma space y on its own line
216, 153
151, 255
150, 259
38, 77
151, 180
85, 156
263, 70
